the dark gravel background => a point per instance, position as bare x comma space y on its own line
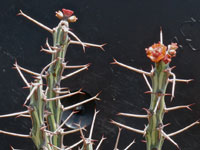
128, 26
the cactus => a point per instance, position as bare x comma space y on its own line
45, 108
160, 77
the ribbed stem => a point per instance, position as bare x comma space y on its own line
54, 74
36, 109
159, 78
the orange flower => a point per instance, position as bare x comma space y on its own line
156, 52
172, 49
167, 59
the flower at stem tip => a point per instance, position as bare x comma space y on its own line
159, 52
66, 14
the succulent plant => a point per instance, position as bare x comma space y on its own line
160, 77
43, 103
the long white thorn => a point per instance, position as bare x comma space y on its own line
181, 130
14, 114
62, 92
75, 72
58, 91
48, 51
131, 68
161, 36
75, 67
74, 145
92, 126
35, 21
102, 139
82, 135
63, 96
127, 127
22, 76
49, 47
46, 90
117, 140
25, 116
81, 103
130, 145
12, 148
178, 107
30, 94
87, 44
56, 147
27, 71
76, 39
181, 80
47, 44
47, 66
145, 129
133, 115
147, 82
73, 131
15, 134
157, 103
168, 138
173, 85
49, 132
61, 88
67, 119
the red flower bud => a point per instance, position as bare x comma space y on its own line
67, 12
167, 59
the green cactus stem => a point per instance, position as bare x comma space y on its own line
153, 132
45, 108
36, 109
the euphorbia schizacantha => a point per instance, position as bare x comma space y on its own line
45, 109
159, 52
160, 76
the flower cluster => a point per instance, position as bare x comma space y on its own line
158, 52
66, 14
